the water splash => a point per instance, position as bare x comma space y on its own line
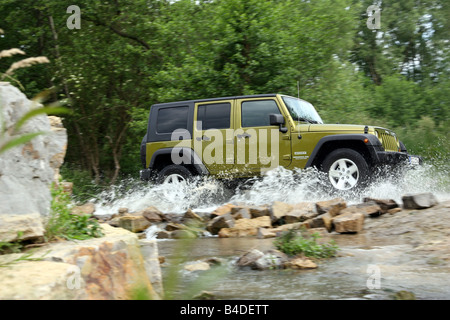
205, 194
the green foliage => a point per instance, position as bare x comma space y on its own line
148, 51
84, 187
63, 224
293, 243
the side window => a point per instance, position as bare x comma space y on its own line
170, 119
214, 116
256, 113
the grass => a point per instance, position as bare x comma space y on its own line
63, 224
294, 243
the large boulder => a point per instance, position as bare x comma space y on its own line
113, 267
28, 170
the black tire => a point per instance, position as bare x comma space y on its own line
182, 173
346, 170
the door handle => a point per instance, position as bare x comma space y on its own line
245, 135
205, 138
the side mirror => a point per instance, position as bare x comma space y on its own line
277, 119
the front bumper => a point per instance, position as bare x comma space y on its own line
398, 158
145, 174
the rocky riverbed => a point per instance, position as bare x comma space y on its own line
406, 245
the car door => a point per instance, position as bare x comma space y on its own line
259, 146
213, 136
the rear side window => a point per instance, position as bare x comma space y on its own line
256, 113
214, 116
170, 119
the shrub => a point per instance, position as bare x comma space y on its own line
293, 243
63, 224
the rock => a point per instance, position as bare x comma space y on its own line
245, 227
249, 258
205, 295
300, 263
197, 266
394, 210
107, 268
301, 212
191, 215
227, 208
222, 221
241, 213
272, 259
134, 223
349, 223
385, 205
21, 227
114, 222
327, 221
149, 251
27, 171
287, 227
264, 233
279, 210
333, 207
152, 214
174, 226
259, 211
182, 234
419, 201
404, 295
163, 234
42, 280
122, 211
369, 209
85, 209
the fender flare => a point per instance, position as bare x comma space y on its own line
372, 145
181, 156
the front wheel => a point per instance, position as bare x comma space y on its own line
346, 169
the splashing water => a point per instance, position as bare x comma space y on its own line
205, 194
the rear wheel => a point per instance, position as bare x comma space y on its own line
174, 174
346, 169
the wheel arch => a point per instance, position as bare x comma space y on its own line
328, 144
178, 155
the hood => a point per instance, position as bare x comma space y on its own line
337, 128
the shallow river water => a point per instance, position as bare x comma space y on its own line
364, 269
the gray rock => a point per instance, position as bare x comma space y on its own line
272, 259
219, 222
249, 258
419, 201
27, 171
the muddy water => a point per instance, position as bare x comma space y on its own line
349, 276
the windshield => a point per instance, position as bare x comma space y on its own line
302, 110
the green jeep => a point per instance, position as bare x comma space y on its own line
245, 136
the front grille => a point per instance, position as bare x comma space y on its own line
389, 141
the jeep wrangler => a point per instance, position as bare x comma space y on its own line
245, 136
